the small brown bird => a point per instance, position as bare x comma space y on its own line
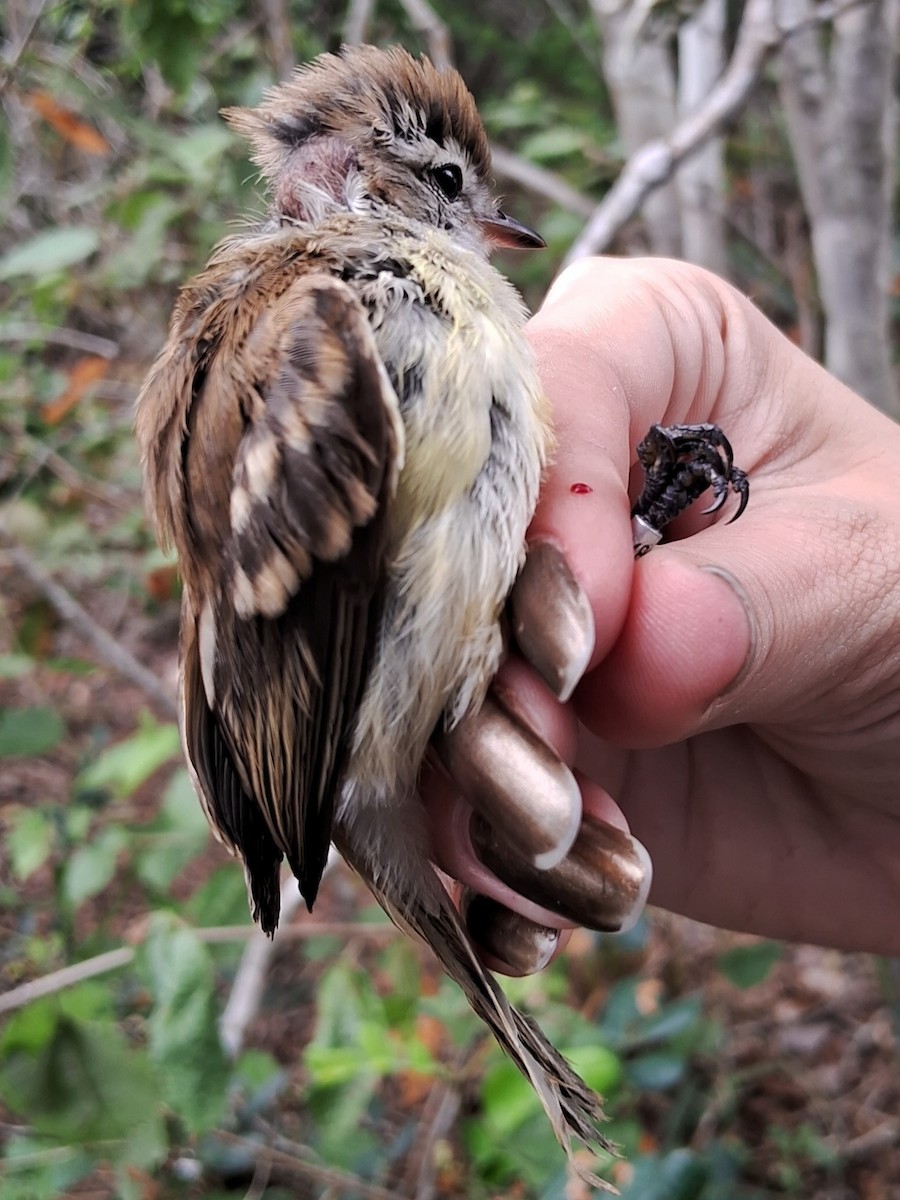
344, 438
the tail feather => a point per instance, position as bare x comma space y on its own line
574, 1110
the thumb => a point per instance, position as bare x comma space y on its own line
688, 634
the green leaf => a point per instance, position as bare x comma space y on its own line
597, 1065
679, 1175
200, 151
35, 1170
221, 900
86, 1084
25, 732
125, 766
178, 834
49, 252
552, 144
29, 841
90, 868
182, 1027
670, 1022
746, 966
15, 666
507, 1098
656, 1072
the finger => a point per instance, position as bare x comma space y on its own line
602, 883
686, 637
620, 346
510, 775
508, 942
757, 622
449, 819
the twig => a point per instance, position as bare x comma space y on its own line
543, 182
214, 935
262, 1172
356, 23
74, 339
232, 37
64, 471
437, 36
107, 648
247, 990
343, 1181
655, 162
441, 1109
21, 45
278, 28
878, 1138
58, 981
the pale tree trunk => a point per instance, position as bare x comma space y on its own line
841, 114
639, 74
701, 178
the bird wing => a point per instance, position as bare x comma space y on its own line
275, 657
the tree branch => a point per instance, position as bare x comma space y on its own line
356, 23
437, 36
215, 935
655, 162
74, 339
108, 650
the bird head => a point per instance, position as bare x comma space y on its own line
369, 129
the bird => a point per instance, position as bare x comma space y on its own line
344, 438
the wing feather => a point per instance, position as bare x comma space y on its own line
270, 704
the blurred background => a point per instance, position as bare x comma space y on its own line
153, 1046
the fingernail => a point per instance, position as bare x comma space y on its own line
601, 884
743, 599
552, 619
516, 782
521, 944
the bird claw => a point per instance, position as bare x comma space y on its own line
680, 462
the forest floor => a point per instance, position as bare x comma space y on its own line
805, 1077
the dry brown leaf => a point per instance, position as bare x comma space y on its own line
76, 131
162, 583
85, 372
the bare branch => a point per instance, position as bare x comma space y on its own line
356, 23
107, 648
278, 28
542, 182
331, 1177
249, 981
842, 120
440, 1112
65, 977
74, 339
215, 935
437, 36
654, 163
19, 43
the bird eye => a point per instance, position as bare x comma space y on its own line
448, 178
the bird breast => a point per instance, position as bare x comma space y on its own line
449, 331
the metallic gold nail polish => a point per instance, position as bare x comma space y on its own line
552, 619
516, 782
524, 946
602, 883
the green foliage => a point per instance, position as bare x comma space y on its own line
28, 731
746, 966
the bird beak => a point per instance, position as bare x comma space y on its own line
502, 230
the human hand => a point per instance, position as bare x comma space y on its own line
741, 702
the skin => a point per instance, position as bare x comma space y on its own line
741, 710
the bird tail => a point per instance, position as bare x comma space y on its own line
574, 1110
